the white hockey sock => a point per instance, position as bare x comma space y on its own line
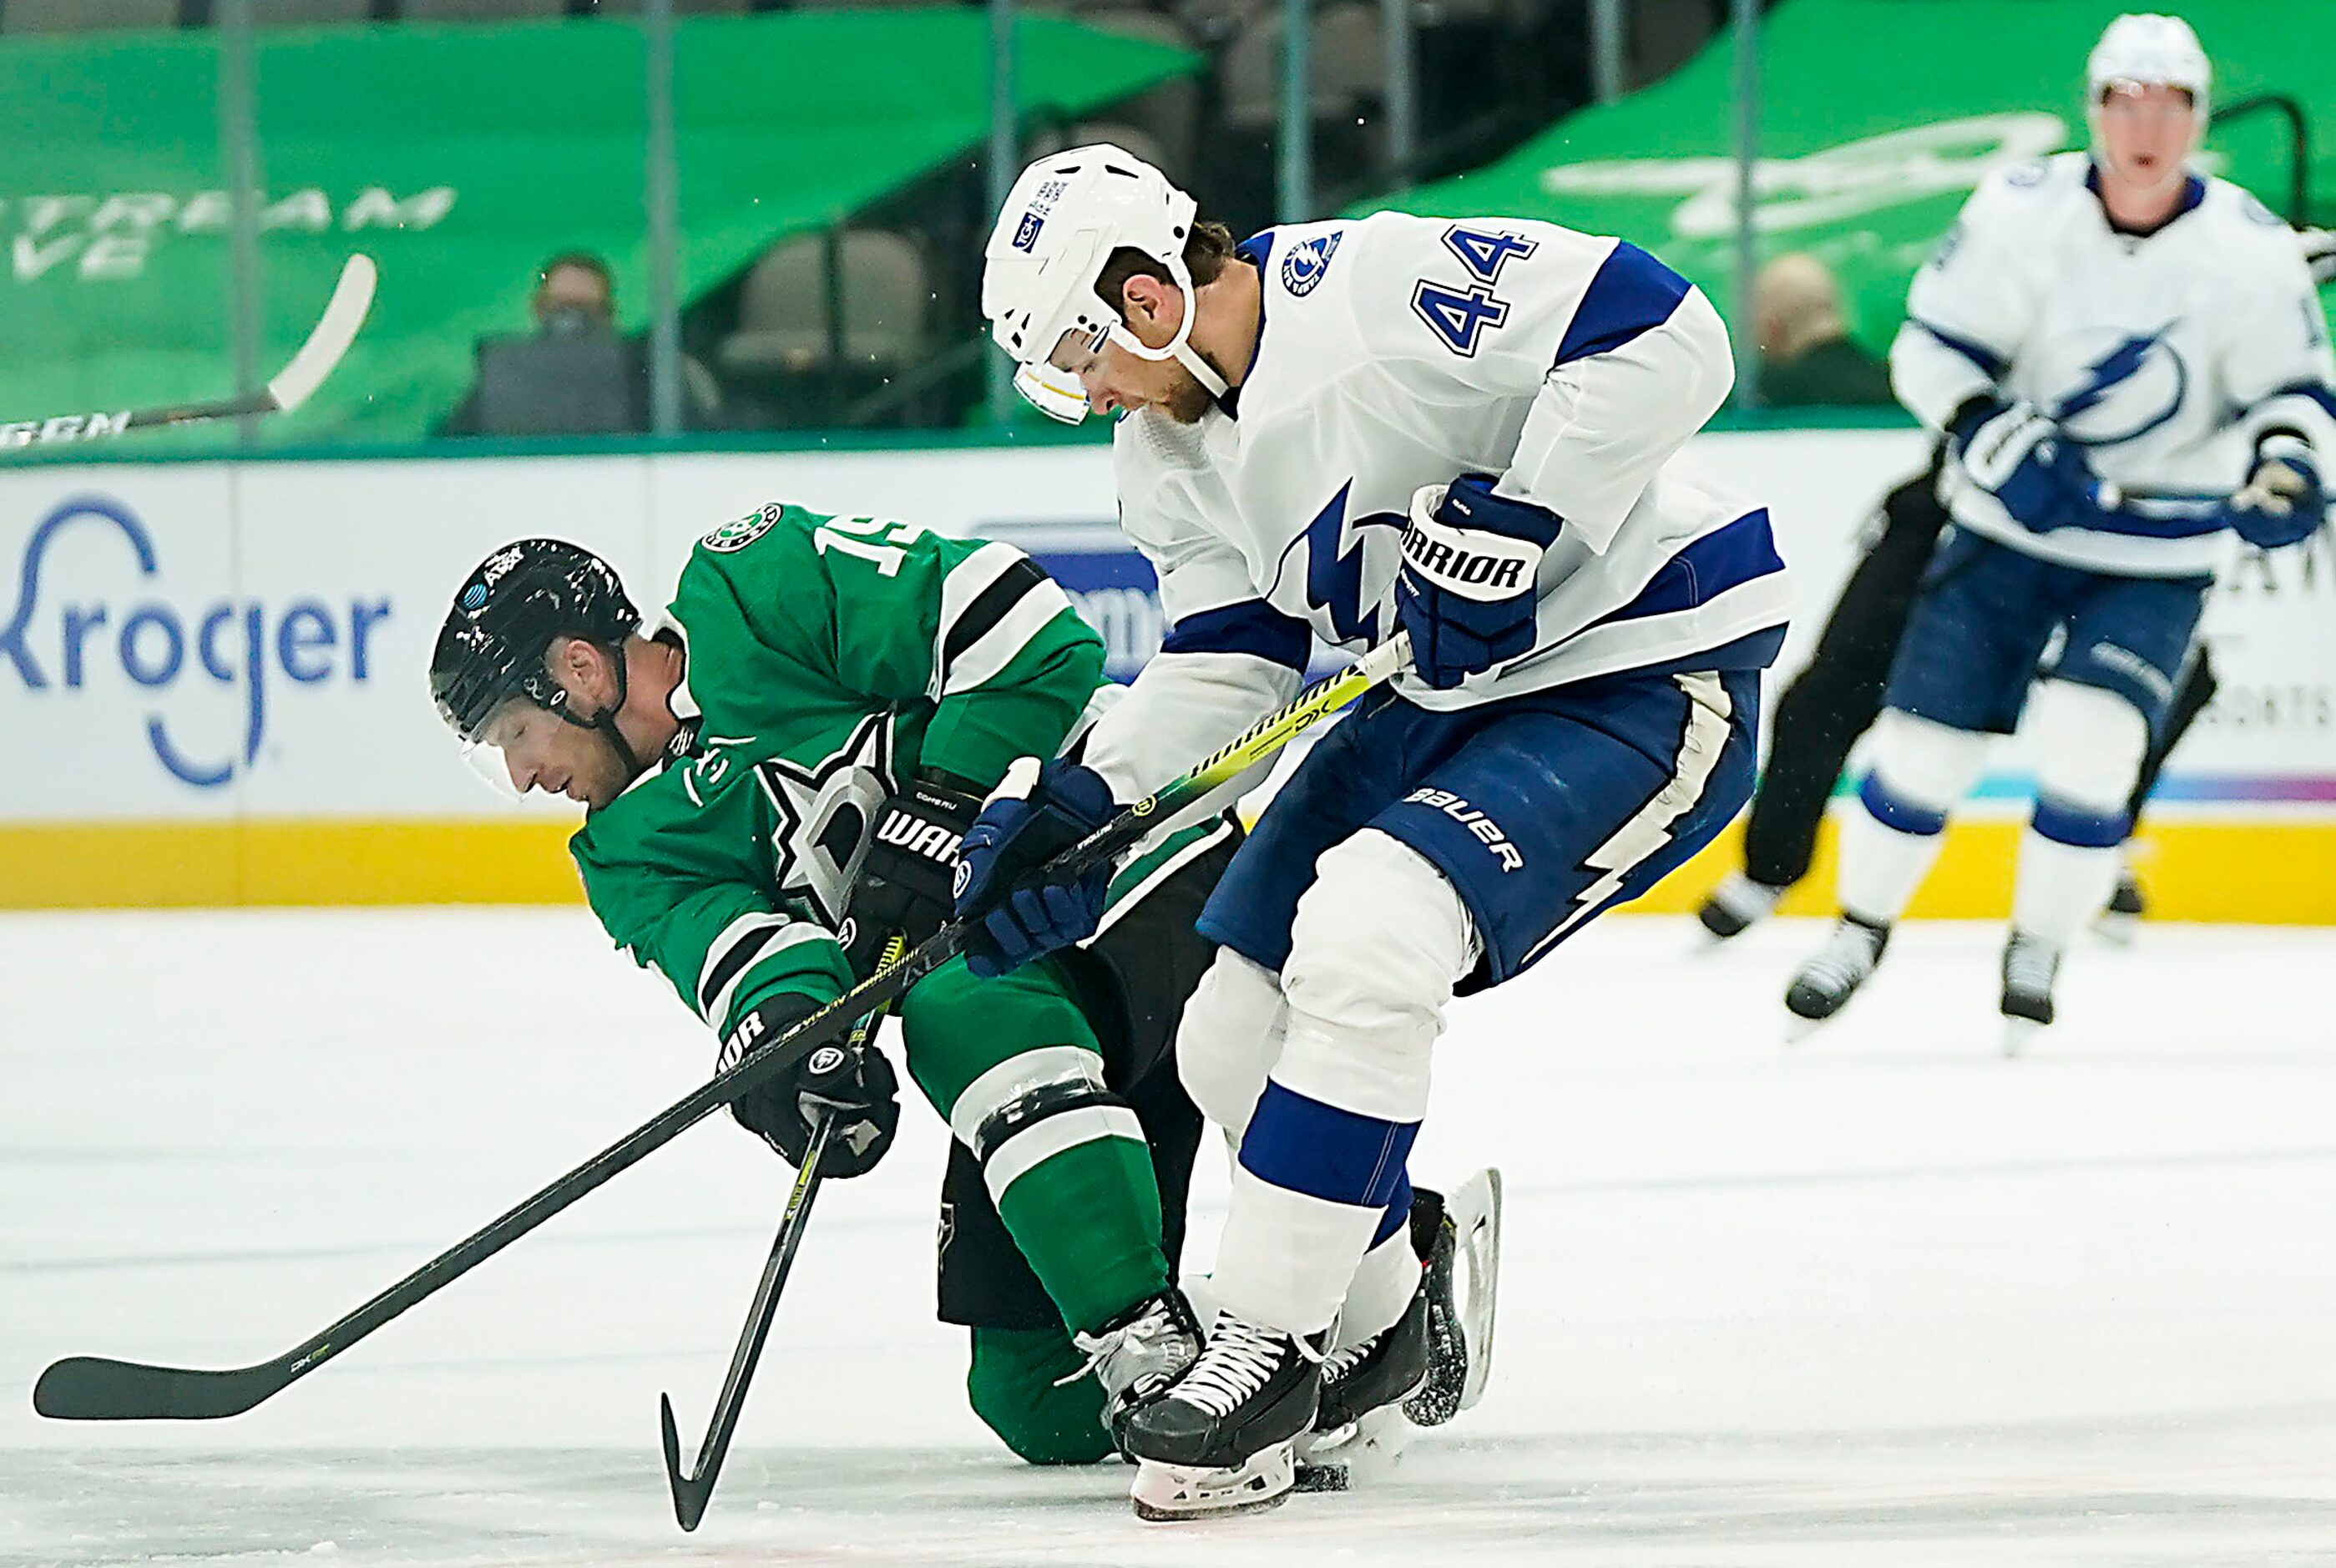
1882, 865
1889, 838
1384, 1284
2091, 743
2061, 886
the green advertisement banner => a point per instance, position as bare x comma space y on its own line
1877, 118
460, 158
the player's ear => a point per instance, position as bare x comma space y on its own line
576, 666
1149, 307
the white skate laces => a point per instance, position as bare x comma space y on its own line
2029, 964
1238, 1360
1848, 958
1152, 1346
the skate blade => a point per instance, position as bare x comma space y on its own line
1359, 1452
1166, 1494
2017, 1033
1798, 1028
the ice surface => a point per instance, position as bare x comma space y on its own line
1881, 1298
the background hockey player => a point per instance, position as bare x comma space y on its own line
1837, 695
778, 773
1460, 430
2126, 359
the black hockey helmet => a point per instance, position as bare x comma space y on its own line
504, 620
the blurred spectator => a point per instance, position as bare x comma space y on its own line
574, 375
1806, 356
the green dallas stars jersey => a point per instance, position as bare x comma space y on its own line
830, 658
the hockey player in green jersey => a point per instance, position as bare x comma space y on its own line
777, 773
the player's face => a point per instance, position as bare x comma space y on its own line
1115, 378
541, 750
2146, 133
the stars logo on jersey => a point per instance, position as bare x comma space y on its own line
2130, 389
823, 814
1304, 264
745, 531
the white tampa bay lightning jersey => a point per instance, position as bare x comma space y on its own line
2166, 355
1397, 352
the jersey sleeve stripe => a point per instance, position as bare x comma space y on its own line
1251, 627
734, 952
992, 604
1990, 363
1023, 621
1631, 293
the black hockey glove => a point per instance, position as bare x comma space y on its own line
904, 883
855, 1087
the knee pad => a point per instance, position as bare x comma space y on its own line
1230, 1037
1380, 940
1924, 764
2089, 745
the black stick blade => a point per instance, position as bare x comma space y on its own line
95, 1388
690, 1495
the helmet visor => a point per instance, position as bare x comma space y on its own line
1057, 394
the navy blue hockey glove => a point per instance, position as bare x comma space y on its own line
908, 875
857, 1088
2284, 501
1466, 589
2015, 452
1036, 813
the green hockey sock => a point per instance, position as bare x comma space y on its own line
1026, 1386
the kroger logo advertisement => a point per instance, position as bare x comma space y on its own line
129, 639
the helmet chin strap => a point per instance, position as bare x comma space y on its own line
1180, 347
604, 723
1187, 356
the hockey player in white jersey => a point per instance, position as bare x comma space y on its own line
1461, 431
2128, 363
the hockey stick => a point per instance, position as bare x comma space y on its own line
98, 1388
301, 376
692, 1491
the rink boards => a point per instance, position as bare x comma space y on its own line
215, 671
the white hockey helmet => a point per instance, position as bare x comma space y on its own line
2152, 50
1060, 224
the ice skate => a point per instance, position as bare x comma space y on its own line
2029, 964
1463, 1276
1220, 1439
1141, 1353
1359, 1424
1827, 982
1736, 905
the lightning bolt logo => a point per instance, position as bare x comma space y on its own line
2119, 366
1334, 569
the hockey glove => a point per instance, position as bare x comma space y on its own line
855, 1087
1468, 590
1036, 813
2284, 501
906, 878
2015, 452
